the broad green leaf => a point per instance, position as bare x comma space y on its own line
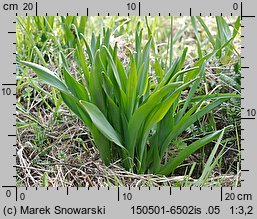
173, 163
114, 68
162, 108
107, 35
177, 65
143, 111
101, 123
103, 144
95, 85
76, 107
131, 87
158, 71
182, 59
93, 44
158, 113
138, 40
191, 94
168, 75
107, 85
97, 44
122, 73
81, 57
89, 51
143, 76
187, 120
76, 88
47, 76
114, 115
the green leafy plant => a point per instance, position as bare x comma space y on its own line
131, 117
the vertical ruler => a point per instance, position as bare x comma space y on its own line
128, 202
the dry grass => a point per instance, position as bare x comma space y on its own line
68, 158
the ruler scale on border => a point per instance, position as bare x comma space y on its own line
132, 202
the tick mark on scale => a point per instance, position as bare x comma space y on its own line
9, 84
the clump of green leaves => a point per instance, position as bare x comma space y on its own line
131, 117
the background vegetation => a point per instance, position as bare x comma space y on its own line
55, 148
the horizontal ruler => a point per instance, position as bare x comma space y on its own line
127, 8
129, 202
144, 202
